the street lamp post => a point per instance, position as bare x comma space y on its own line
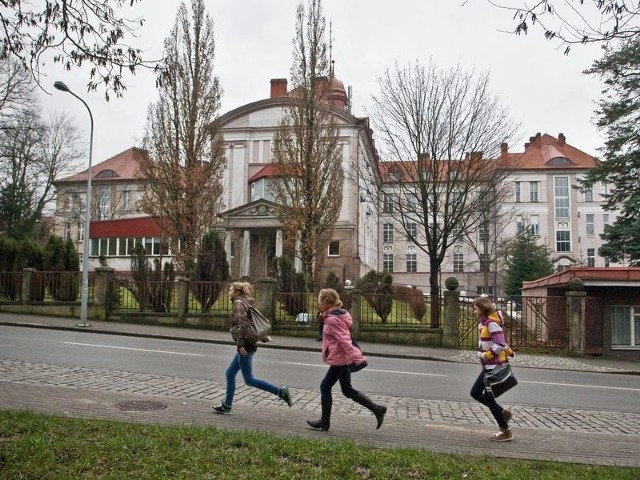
84, 293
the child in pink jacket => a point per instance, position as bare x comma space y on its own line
339, 352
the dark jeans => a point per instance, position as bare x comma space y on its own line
479, 393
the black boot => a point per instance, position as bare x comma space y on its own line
378, 410
324, 421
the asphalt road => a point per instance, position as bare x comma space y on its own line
395, 377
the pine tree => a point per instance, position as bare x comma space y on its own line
618, 116
526, 260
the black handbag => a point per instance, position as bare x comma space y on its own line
353, 368
499, 379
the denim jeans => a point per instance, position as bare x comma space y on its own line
244, 364
479, 393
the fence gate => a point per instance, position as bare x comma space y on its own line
594, 326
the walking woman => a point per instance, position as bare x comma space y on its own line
339, 353
494, 351
240, 295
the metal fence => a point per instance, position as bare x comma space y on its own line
529, 322
11, 286
44, 286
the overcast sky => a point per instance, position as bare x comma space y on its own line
544, 89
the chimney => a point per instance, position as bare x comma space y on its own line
561, 140
504, 151
538, 140
278, 87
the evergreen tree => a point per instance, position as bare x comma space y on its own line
618, 116
526, 260
377, 290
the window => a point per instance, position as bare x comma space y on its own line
518, 192
104, 203
561, 192
591, 257
387, 203
519, 225
483, 233
125, 245
334, 248
387, 262
533, 191
412, 231
412, 263
458, 262
625, 326
588, 193
387, 233
67, 231
563, 241
590, 226
535, 224
605, 219
80, 232
126, 200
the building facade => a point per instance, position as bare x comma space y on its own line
542, 184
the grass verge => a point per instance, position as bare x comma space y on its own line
36, 446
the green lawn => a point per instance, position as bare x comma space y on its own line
34, 446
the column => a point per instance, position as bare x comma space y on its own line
246, 254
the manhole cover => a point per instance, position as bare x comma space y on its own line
141, 405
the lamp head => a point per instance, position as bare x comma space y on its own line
61, 86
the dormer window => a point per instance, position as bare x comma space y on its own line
559, 162
107, 174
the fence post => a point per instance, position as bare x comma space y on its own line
576, 299
102, 291
27, 284
356, 310
266, 288
183, 297
451, 313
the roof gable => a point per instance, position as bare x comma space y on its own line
123, 166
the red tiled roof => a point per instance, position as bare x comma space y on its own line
268, 171
542, 149
125, 227
123, 166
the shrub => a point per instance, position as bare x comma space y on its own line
377, 291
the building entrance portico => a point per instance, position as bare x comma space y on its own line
253, 238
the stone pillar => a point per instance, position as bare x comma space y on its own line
356, 310
576, 302
183, 296
27, 284
102, 294
265, 294
451, 313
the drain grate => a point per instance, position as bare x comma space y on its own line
141, 405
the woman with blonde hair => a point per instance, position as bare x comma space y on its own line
240, 295
493, 351
339, 352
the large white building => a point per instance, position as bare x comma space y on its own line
543, 197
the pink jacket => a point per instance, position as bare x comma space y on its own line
337, 347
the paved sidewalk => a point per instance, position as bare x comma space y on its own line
577, 436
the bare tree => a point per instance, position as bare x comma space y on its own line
576, 21
75, 33
33, 153
306, 150
436, 128
182, 188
